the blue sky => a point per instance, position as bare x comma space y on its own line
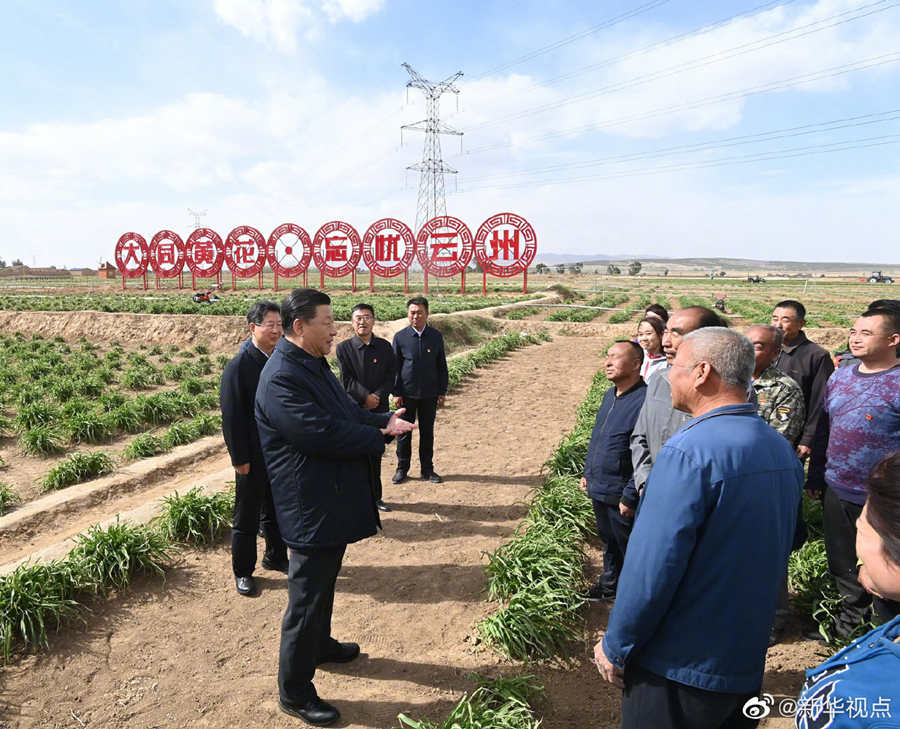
746, 129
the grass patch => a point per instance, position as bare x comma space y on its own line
144, 445
9, 498
76, 468
196, 517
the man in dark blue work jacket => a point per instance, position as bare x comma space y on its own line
317, 445
421, 386
608, 468
688, 633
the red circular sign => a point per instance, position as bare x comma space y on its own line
131, 245
239, 253
167, 249
382, 244
336, 243
204, 252
444, 246
281, 250
505, 245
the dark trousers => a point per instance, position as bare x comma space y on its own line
306, 628
426, 410
614, 530
839, 521
250, 494
653, 702
376, 468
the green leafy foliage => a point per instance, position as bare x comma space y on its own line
76, 468
196, 517
9, 498
144, 445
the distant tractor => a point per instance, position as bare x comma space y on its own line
876, 277
755, 279
720, 302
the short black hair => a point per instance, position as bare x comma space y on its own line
258, 311
891, 318
636, 349
658, 309
885, 304
798, 308
360, 307
883, 505
418, 301
301, 304
707, 317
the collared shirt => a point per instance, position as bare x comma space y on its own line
261, 350
707, 556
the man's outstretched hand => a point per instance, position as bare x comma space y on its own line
397, 426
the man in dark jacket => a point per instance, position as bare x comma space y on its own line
806, 362
252, 489
368, 371
421, 386
318, 445
608, 466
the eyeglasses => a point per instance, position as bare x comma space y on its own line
363, 318
274, 326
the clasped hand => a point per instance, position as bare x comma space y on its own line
397, 426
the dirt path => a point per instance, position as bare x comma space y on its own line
191, 652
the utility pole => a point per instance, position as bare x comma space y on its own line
432, 200
196, 217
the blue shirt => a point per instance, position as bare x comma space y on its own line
708, 554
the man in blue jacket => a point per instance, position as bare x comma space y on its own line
688, 634
608, 467
317, 445
421, 386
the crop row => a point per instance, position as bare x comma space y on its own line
461, 367
387, 306
606, 301
38, 599
538, 576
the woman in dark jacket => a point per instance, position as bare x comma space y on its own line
317, 443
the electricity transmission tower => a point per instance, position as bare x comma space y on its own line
197, 217
432, 200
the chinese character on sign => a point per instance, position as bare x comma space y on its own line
335, 250
165, 254
132, 248
509, 246
204, 252
444, 252
386, 248
244, 254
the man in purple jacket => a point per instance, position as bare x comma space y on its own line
859, 424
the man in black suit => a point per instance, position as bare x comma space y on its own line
421, 386
318, 444
368, 372
252, 489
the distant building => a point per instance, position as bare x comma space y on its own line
34, 272
83, 271
107, 270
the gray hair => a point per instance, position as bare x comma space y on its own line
729, 353
777, 334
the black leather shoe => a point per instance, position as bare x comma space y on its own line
245, 585
382, 506
433, 477
399, 477
339, 653
315, 712
274, 566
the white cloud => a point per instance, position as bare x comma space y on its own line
355, 10
274, 22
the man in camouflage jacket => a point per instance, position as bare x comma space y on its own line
781, 405
780, 398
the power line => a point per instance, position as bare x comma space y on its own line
710, 100
572, 38
828, 126
728, 161
718, 57
638, 52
